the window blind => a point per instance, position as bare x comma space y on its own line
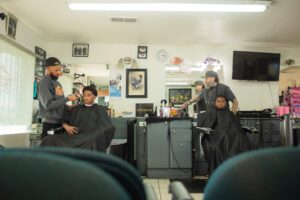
16, 89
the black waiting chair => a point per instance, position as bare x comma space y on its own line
35, 175
120, 170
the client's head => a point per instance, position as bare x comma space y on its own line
89, 94
220, 102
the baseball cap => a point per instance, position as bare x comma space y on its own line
211, 74
52, 61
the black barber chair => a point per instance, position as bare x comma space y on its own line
251, 132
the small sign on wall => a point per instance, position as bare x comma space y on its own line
143, 109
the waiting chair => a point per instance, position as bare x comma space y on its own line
36, 175
123, 172
267, 174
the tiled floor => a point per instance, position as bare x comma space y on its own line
160, 187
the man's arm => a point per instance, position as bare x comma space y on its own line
189, 102
49, 100
235, 105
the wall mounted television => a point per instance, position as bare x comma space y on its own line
255, 66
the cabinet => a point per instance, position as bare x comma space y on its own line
169, 148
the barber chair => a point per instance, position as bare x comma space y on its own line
200, 167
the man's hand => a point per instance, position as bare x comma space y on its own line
183, 106
71, 130
72, 98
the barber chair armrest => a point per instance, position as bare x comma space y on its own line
205, 130
250, 130
179, 192
150, 193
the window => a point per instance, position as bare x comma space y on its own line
16, 89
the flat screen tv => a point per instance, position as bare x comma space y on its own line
255, 66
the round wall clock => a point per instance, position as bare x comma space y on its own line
162, 55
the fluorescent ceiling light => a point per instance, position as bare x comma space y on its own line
248, 6
177, 83
172, 69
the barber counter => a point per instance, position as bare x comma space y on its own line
158, 147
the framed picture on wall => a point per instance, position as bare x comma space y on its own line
80, 50
142, 52
136, 83
178, 96
11, 27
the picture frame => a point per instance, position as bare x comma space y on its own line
11, 27
80, 50
142, 52
177, 96
40, 58
136, 83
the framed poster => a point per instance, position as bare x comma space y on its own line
80, 50
136, 83
143, 109
178, 96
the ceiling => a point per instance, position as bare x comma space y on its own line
54, 22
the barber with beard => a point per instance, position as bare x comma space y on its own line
52, 100
212, 90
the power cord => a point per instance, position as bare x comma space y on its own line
176, 161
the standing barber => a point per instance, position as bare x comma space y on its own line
212, 90
52, 101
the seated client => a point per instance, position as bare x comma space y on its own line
87, 126
228, 138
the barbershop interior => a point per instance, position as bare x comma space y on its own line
149, 100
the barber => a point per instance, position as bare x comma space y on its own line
52, 100
212, 90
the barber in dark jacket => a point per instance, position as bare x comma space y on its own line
52, 100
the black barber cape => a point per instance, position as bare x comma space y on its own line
95, 129
227, 140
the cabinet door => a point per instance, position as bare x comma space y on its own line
181, 148
157, 145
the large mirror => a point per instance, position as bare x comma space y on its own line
180, 80
96, 75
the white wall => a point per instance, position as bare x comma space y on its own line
251, 95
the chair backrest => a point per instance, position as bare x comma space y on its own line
123, 172
261, 174
35, 175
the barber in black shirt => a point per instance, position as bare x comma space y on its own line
212, 90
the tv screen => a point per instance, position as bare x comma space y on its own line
255, 66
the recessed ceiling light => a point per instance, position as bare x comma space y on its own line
248, 6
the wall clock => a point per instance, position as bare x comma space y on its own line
162, 55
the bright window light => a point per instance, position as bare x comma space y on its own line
177, 83
251, 6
